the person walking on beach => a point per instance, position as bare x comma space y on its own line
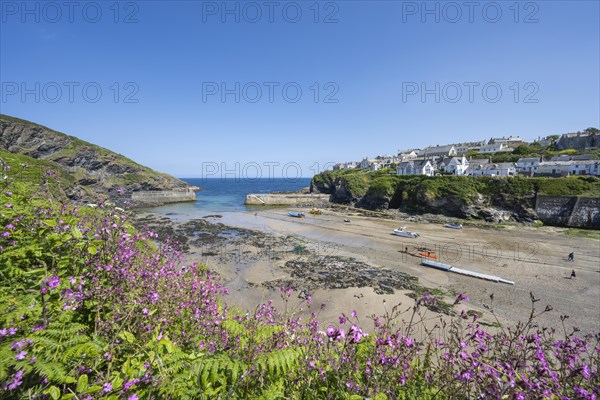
572, 274
571, 257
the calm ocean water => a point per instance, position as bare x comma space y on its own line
227, 195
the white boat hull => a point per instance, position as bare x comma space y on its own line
402, 233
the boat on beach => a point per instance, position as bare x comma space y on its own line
449, 268
404, 233
296, 214
453, 225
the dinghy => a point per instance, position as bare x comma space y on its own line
453, 225
404, 233
296, 214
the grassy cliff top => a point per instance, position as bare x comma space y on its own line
83, 164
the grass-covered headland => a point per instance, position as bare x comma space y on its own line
457, 196
92, 308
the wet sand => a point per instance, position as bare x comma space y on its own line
534, 258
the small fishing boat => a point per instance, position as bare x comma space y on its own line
453, 225
428, 255
315, 211
347, 220
296, 214
404, 233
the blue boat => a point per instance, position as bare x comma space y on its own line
296, 214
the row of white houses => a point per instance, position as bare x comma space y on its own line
559, 166
492, 146
457, 166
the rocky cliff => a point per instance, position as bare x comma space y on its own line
96, 172
494, 199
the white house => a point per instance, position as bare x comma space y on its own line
404, 155
366, 162
560, 168
585, 167
438, 151
494, 148
462, 148
509, 141
416, 167
457, 166
345, 166
527, 165
494, 169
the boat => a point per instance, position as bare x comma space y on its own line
314, 211
453, 225
465, 272
296, 214
347, 220
428, 255
404, 233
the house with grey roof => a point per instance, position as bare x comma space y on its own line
457, 166
438, 151
416, 167
492, 169
527, 165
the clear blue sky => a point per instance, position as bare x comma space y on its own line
376, 56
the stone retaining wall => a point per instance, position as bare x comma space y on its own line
284, 199
572, 211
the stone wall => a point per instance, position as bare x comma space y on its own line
157, 197
284, 199
572, 211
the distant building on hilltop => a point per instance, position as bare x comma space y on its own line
462, 148
579, 141
495, 148
438, 151
511, 141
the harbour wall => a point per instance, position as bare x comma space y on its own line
158, 197
271, 199
572, 211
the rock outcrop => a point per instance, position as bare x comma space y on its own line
96, 170
492, 199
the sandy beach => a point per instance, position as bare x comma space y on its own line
255, 252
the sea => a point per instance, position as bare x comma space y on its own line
227, 195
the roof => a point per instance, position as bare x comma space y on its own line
479, 161
438, 149
528, 159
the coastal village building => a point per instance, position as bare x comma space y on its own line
367, 162
405, 155
511, 141
580, 141
345, 166
462, 148
527, 165
553, 168
416, 167
495, 148
477, 163
457, 166
566, 168
494, 169
438, 151
562, 165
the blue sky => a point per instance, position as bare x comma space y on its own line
370, 61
